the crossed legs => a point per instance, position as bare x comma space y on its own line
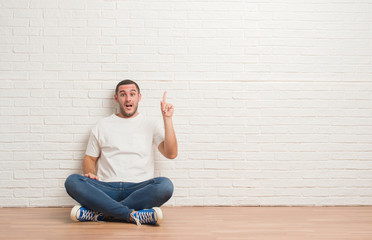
118, 199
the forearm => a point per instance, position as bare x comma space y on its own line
170, 139
169, 146
89, 165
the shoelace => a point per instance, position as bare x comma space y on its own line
143, 217
89, 215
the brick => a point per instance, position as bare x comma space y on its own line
15, 4
204, 192
29, 103
85, 67
70, 4
58, 120
203, 174
6, 175
44, 184
58, 138
20, 202
31, 174
218, 201
57, 67
51, 201
108, 67
28, 138
43, 4
28, 193
54, 192
57, 174
75, 165
188, 201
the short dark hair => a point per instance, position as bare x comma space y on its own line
126, 82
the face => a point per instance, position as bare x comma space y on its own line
128, 99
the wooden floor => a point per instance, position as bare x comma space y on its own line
257, 223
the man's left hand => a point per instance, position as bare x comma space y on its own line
167, 109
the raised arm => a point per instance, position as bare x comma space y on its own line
168, 148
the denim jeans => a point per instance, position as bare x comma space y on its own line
118, 199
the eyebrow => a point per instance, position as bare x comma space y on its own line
129, 90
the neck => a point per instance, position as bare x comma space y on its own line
123, 116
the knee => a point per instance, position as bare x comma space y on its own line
166, 186
71, 181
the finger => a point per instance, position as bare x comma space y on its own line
165, 107
162, 106
91, 176
164, 96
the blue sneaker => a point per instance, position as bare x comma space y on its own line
82, 214
151, 216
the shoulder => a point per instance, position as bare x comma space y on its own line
107, 119
103, 122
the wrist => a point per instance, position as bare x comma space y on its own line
167, 118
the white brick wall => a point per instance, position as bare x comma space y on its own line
273, 98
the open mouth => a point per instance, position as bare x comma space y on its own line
128, 106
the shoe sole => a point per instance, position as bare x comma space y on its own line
74, 211
159, 215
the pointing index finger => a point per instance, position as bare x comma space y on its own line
164, 96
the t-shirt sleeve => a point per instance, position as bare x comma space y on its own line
158, 133
93, 148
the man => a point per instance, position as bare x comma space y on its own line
118, 182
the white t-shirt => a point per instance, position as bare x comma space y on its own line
124, 148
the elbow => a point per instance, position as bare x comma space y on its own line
168, 151
172, 155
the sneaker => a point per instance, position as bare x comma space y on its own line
82, 214
151, 216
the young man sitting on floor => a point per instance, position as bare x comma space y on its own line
118, 181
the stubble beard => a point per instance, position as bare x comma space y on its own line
125, 114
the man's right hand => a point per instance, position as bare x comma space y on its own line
91, 175
89, 167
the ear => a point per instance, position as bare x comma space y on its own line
116, 98
139, 97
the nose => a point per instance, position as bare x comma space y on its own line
128, 98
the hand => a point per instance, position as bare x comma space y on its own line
91, 175
167, 109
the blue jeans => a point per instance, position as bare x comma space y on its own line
118, 199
